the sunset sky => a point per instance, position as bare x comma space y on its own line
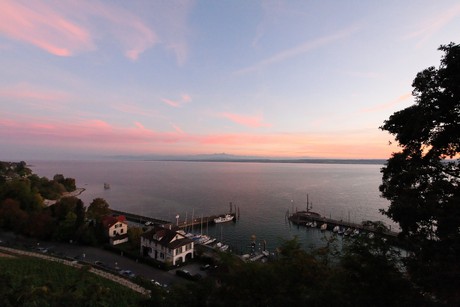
82, 79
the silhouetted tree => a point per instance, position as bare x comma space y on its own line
422, 181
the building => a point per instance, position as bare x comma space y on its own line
116, 229
166, 245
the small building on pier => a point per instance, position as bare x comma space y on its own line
166, 245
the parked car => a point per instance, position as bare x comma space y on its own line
148, 223
183, 273
127, 273
204, 267
187, 275
158, 284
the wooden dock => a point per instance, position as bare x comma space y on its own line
303, 217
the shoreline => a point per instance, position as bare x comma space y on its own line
77, 192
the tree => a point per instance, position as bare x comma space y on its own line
422, 180
98, 209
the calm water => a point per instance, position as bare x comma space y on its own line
262, 191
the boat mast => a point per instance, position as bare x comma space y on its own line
309, 204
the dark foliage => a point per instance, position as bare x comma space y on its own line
422, 181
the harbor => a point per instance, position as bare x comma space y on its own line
310, 218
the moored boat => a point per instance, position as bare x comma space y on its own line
211, 240
223, 219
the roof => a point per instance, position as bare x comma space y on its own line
166, 237
108, 220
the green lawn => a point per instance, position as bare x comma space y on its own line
28, 281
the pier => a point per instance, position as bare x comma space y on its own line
199, 221
186, 223
304, 217
139, 218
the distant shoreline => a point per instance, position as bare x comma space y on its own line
295, 161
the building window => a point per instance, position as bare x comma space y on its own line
121, 230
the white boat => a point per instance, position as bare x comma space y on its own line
211, 240
222, 247
324, 227
313, 224
336, 229
223, 219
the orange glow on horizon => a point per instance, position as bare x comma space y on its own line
100, 136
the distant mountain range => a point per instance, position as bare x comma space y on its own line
223, 157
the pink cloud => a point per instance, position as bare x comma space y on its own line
388, 105
69, 28
27, 92
128, 29
185, 98
244, 120
172, 103
39, 24
178, 129
433, 25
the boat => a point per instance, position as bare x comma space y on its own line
223, 219
222, 247
313, 224
324, 227
336, 229
211, 240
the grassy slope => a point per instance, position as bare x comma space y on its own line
30, 280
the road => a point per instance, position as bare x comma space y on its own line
90, 255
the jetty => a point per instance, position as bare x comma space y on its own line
140, 219
304, 217
185, 223
199, 221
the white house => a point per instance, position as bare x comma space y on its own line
166, 245
116, 229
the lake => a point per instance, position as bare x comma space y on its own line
263, 192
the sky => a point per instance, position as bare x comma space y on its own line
277, 79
